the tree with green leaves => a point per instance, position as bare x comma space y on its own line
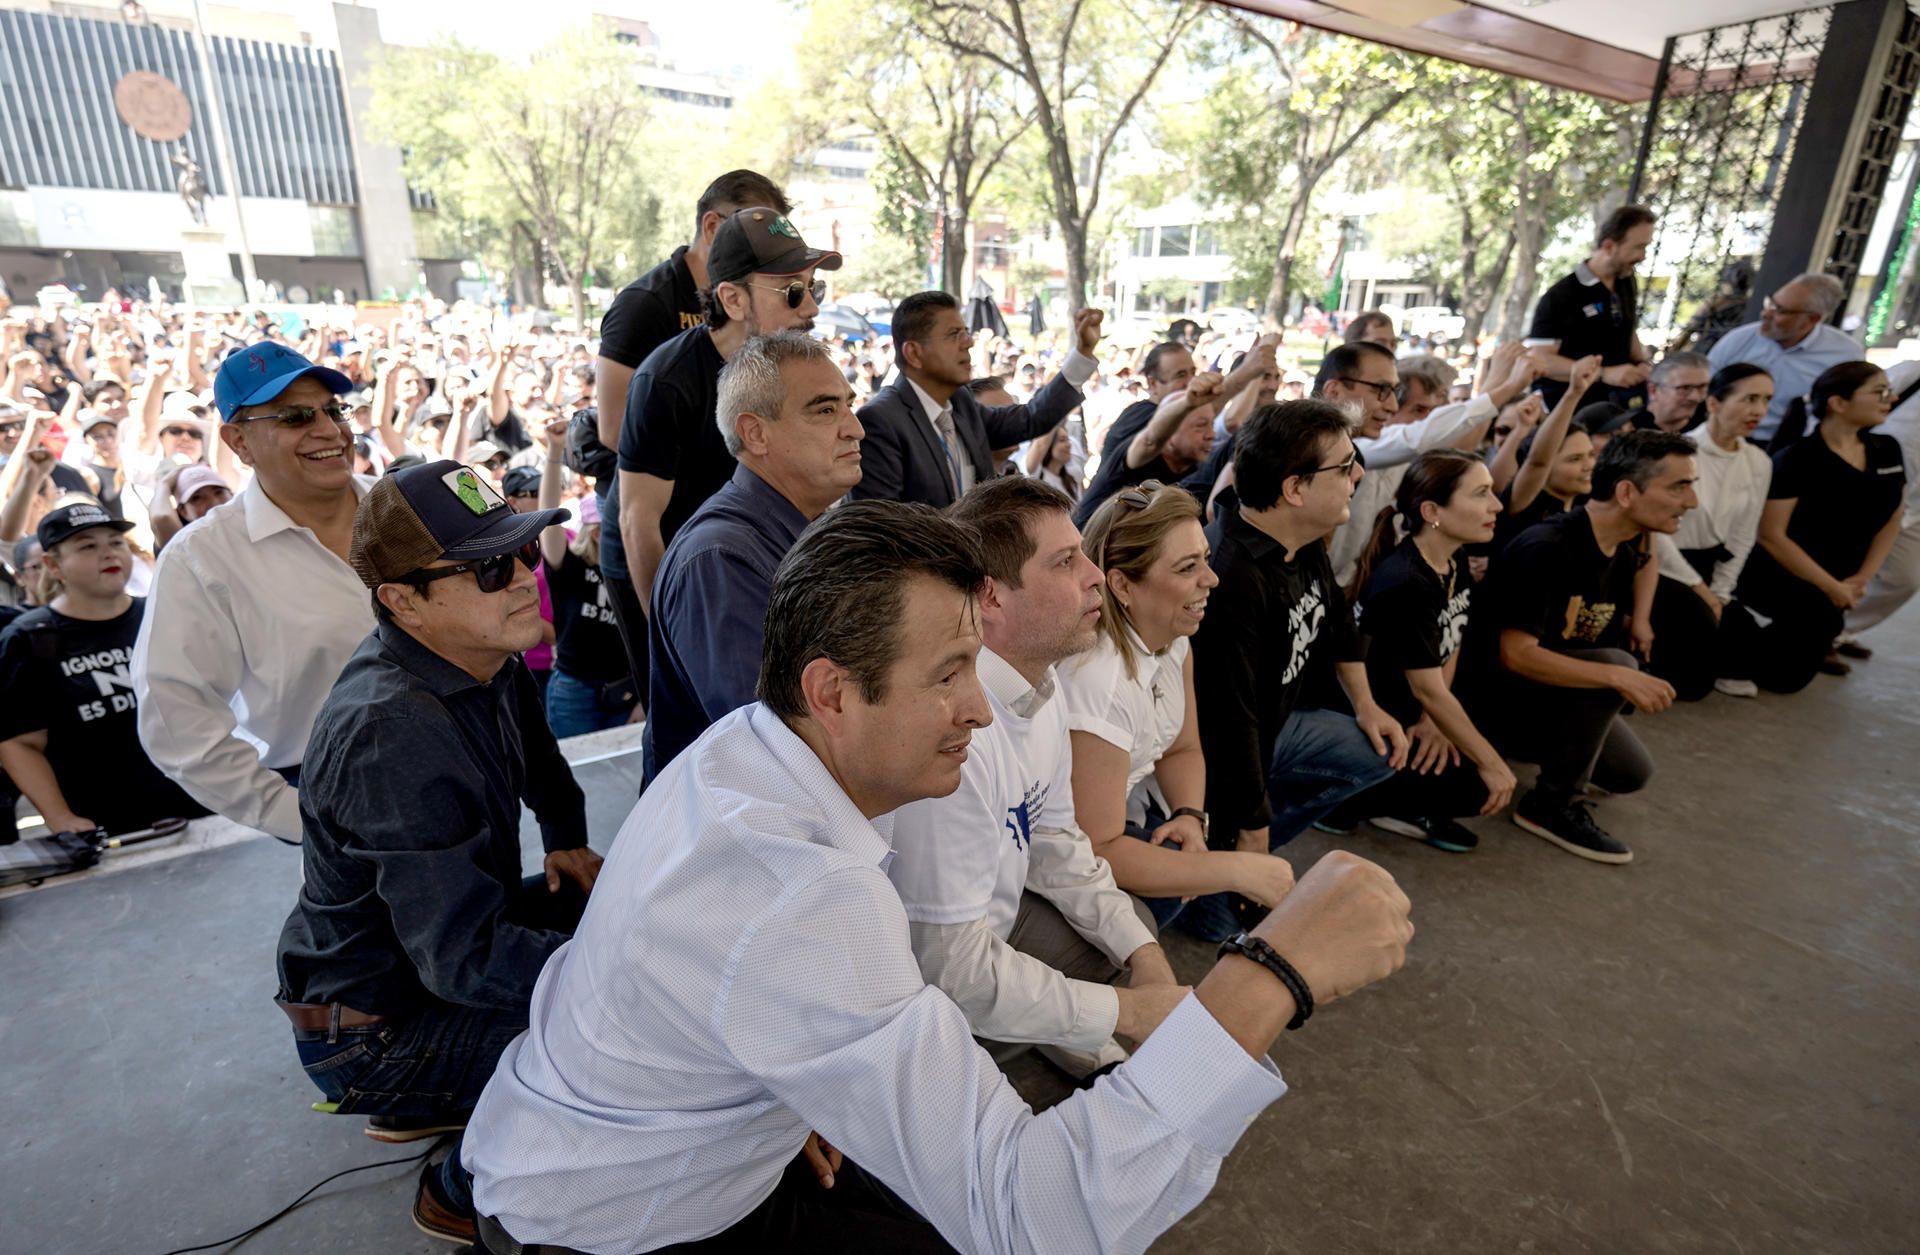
547, 152
1086, 66
888, 266
1287, 105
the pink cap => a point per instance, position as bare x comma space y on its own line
589, 511
192, 479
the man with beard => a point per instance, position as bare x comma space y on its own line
759, 280
1595, 310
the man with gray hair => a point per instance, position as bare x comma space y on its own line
785, 413
1793, 342
1676, 390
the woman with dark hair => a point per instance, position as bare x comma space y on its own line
1700, 565
1138, 771
1555, 464
1412, 596
1832, 515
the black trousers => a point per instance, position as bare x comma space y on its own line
858, 1216
1453, 792
1575, 735
632, 623
1686, 641
1778, 642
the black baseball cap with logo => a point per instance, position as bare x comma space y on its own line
410, 518
70, 520
758, 240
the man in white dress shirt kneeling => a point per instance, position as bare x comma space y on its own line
1012, 914
743, 975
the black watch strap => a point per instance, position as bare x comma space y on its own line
1248, 946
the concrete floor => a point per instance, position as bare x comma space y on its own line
1712, 1049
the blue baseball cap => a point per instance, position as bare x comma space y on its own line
411, 518
261, 372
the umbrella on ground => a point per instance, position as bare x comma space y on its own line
1036, 317
983, 312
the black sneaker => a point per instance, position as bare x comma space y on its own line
1571, 827
414, 1128
1441, 834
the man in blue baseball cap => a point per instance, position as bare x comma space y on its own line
254, 610
409, 961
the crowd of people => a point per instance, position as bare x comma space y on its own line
966, 671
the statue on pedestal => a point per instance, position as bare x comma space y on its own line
193, 187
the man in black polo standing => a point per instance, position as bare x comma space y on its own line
409, 960
1596, 310
759, 280
647, 313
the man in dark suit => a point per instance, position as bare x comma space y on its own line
928, 438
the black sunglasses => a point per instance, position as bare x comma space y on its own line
798, 291
12, 429
1142, 497
180, 431
493, 574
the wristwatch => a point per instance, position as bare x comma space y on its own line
1196, 813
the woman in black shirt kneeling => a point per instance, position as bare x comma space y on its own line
1832, 514
1412, 598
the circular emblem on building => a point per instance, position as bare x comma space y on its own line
152, 106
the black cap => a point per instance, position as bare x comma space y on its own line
520, 479
441, 510
58, 525
760, 241
1603, 418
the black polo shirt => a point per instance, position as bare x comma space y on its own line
669, 433
1587, 318
1269, 618
410, 798
650, 311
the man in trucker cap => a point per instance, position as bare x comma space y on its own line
254, 611
409, 960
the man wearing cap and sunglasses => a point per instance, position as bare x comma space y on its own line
409, 961
759, 281
254, 610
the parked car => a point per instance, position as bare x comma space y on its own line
841, 320
1230, 320
1434, 322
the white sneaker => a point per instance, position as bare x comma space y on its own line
1737, 688
1399, 827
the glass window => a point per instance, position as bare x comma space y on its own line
1176, 241
1204, 244
1143, 242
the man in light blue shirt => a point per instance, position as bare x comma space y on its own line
743, 976
1793, 342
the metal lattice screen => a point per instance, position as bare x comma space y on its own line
1720, 133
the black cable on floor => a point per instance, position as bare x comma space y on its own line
365, 1167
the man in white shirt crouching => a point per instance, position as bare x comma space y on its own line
743, 975
1013, 916
254, 610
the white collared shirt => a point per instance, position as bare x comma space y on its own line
1732, 487
249, 623
963, 860
1793, 369
1076, 370
1141, 714
742, 975
1387, 457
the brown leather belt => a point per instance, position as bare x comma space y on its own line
325, 1017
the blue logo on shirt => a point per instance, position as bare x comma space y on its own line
1020, 818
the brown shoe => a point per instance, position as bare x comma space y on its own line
433, 1215
1834, 664
1853, 649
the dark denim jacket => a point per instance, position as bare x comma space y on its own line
410, 798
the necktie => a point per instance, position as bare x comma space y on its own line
957, 462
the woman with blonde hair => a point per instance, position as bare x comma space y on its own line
1139, 781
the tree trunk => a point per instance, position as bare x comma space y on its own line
1517, 314
1476, 298
1281, 289
953, 251
1074, 235
577, 289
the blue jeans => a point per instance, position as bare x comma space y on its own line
436, 1062
573, 707
1320, 759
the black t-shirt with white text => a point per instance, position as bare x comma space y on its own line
1412, 619
72, 679
1838, 511
586, 639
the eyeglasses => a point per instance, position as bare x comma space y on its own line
1382, 390
1141, 497
1768, 304
493, 574
1345, 468
299, 416
12, 429
798, 291
180, 431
